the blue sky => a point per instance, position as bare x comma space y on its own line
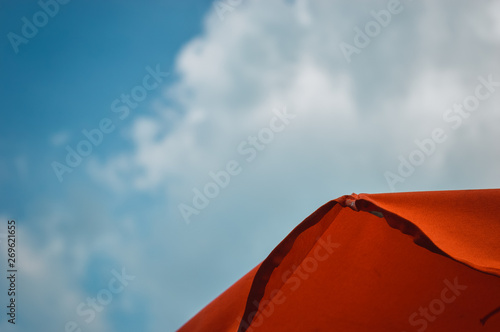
352, 119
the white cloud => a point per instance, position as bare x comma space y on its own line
45, 289
494, 11
238, 70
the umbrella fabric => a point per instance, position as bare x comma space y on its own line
419, 261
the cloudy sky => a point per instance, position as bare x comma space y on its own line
153, 152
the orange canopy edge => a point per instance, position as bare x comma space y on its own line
416, 261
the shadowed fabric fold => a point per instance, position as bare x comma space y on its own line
375, 262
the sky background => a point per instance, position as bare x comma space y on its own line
231, 66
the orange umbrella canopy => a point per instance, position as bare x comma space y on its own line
419, 261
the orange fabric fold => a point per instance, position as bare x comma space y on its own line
421, 261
